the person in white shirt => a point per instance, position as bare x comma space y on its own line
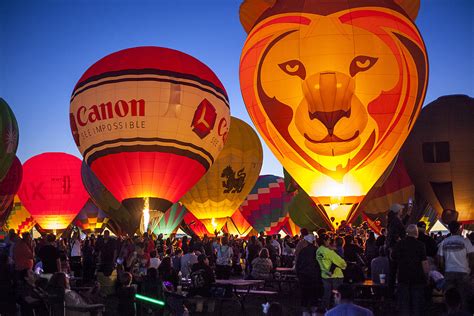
456, 258
154, 261
187, 261
276, 245
76, 254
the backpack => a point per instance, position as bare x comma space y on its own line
198, 281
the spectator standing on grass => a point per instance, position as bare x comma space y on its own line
430, 243
309, 276
224, 260
49, 256
412, 267
331, 265
456, 259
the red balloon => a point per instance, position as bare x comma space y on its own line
52, 189
9, 185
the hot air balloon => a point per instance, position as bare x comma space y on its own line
121, 220
10, 184
191, 225
265, 206
303, 212
396, 188
149, 121
19, 218
439, 155
170, 222
52, 189
224, 187
290, 228
8, 137
237, 225
91, 219
334, 88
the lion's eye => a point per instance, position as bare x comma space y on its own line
294, 68
361, 63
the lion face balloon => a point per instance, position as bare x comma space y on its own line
334, 88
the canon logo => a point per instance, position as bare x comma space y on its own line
108, 110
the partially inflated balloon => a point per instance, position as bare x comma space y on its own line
52, 189
304, 212
191, 225
397, 188
10, 184
123, 221
170, 222
224, 187
237, 225
19, 218
265, 206
439, 155
334, 88
290, 228
8, 137
91, 219
150, 121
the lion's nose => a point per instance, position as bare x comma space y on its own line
329, 97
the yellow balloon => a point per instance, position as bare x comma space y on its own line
229, 180
19, 218
334, 88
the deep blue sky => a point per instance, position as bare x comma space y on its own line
45, 46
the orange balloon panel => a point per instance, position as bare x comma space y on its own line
237, 225
439, 155
52, 189
334, 88
19, 218
150, 121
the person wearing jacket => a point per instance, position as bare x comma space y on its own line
331, 265
309, 276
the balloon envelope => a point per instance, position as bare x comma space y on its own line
334, 88
8, 137
52, 189
191, 225
237, 225
19, 218
229, 180
170, 221
150, 121
303, 212
265, 206
439, 155
91, 219
123, 221
10, 184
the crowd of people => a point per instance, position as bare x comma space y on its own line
408, 262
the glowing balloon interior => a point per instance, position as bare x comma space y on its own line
334, 88
52, 189
150, 121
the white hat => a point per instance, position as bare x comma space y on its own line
396, 208
309, 238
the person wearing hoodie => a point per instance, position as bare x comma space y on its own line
331, 265
309, 276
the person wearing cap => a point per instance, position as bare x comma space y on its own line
309, 276
430, 243
412, 266
456, 259
343, 297
331, 265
